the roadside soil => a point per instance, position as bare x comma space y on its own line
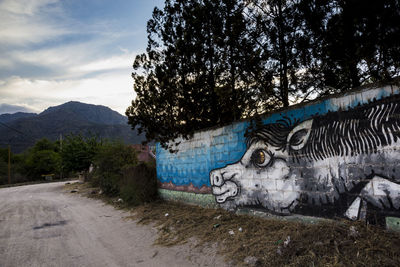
47, 225
246, 240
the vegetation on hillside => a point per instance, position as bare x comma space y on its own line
21, 132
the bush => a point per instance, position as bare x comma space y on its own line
139, 184
3, 172
42, 162
117, 172
110, 161
78, 152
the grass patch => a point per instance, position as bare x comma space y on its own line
270, 242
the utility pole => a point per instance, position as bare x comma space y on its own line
61, 167
9, 165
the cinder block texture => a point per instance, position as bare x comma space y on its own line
337, 157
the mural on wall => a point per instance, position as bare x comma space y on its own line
343, 163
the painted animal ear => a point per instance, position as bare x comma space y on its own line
298, 137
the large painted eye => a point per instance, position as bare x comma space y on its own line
260, 158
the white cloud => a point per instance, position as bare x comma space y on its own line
51, 55
115, 62
26, 7
6, 63
27, 21
63, 56
72, 61
113, 90
16, 33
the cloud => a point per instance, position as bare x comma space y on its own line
123, 61
52, 53
25, 7
70, 61
113, 90
5, 108
27, 21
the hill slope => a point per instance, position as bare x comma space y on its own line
6, 118
68, 118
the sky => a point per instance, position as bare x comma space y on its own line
55, 51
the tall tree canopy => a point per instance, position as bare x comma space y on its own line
355, 41
210, 62
200, 69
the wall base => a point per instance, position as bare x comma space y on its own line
204, 200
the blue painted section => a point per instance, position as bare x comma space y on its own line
194, 165
217, 148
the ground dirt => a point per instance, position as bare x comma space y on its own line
247, 240
48, 225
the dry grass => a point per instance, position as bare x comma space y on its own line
324, 244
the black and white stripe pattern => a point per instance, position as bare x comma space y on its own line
357, 131
360, 130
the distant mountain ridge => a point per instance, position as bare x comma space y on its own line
87, 112
5, 118
22, 130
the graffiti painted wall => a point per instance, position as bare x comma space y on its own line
339, 157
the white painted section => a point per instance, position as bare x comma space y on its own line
353, 210
348, 100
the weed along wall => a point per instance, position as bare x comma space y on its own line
338, 157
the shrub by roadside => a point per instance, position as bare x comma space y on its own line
118, 173
139, 184
110, 162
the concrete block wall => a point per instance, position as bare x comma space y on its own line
336, 157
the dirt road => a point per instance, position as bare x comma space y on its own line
42, 225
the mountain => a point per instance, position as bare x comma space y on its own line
91, 113
23, 130
6, 118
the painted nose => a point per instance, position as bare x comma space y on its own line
216, 178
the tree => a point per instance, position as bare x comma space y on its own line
212, 62
45, 144
78, 152
3, 165
43, 158
355, 41
42, 162
201, 69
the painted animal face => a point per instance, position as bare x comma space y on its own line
262, 176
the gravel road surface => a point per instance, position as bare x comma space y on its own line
43, 225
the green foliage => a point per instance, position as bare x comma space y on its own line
45, 144
40, 159
139, 184
117, 172
110, 162
43, 158
41, 162
18, 167
4, 154
78, 152
3, 169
